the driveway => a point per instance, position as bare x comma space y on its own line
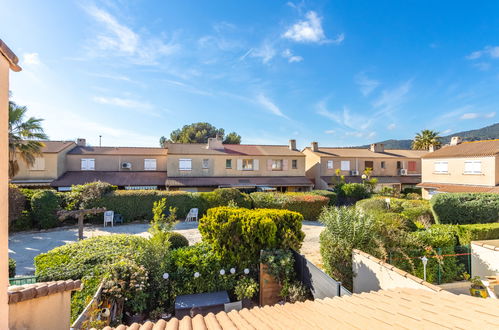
23, 247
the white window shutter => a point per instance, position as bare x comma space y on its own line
285, 165
83, 164
269, 164
239, 164
256, 164
91, 164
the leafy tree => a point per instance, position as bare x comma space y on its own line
199, 133
23, 136
426, 138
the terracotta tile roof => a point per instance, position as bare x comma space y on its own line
117, 178
492, 244
467, 149
404, 179
241, 181
396, 308
55, 146
10, 56
18, 293
367, 153
146, 151
457, 188
232, 149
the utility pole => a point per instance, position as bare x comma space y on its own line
100, 140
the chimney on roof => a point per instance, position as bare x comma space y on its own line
377, 147
315, 146
292, 144
455, 140
431, 148
214, 143
81, 142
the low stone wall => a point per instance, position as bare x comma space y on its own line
373, 274
485, 258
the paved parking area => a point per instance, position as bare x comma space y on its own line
23, 247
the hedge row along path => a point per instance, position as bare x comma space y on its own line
24, 246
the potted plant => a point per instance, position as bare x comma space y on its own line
477, 289
246, 288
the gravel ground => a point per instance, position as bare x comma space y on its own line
24, 246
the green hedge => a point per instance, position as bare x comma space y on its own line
237, 235
473, 232
44, 207
465, 208
308, 205
333, 198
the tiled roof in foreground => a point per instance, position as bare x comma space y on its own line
18, 293
467, 149
458, 188
386, 309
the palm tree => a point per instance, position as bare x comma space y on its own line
22, 138
423, 140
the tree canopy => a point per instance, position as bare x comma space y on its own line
426, 138
23, 136
199, 133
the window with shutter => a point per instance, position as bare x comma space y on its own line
473, 167
256, 164
150, 164
294, 164
228, 163
277, 165
330, 164
285, 165
206, 163
369, 164
185, 164
38, 165
345, 165
247, 164
412, 166
87, 164
441, 167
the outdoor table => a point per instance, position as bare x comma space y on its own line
200, 303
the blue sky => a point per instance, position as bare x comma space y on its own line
339, 72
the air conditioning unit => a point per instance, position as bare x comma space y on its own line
403, 171
126, 165
354, 173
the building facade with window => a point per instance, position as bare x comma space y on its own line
125, 167
204, 167
48, 166
393, 168
461, 167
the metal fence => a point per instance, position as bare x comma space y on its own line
442, 265
22, 280
321, 285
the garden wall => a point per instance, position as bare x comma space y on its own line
373, 274
484, 258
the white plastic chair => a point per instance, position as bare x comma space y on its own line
108, 218
192, 215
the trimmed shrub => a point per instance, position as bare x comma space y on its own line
412, 190
238, 235
333, 198
44, 207
308, 205
476, 232
372, 205
223, 196
177, 240
465, 208
17, 203
350, 193
12, 267
85, 196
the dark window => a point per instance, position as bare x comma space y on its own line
382, 164
399, 165
369, 164
228, 163
294, 164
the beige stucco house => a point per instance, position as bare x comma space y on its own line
125, 167
48, 166
393, 168
461, 167
204, 167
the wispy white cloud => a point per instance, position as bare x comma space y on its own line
482, 66
344, 117
142, 107
330, 131
476, 115
487, 51
265, 52
391, 99
490, 115
187, 88
288, 54
309, 30
270, 106
366, 84
445, 132
31, 59
391, 127
116, 38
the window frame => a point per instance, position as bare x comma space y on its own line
294, 164
184, 160
479, 162
205, 163
228, 161
86, 160
441, 163
245, 164
277, 161
330, 161
38, 164
343, 167
150, 161
383, 164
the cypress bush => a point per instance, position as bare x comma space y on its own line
308, 205
44, 207
237, 235
465, 208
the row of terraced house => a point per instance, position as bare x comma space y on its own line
204, 167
